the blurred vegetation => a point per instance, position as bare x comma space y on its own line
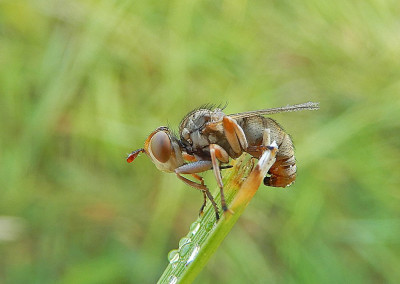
84, 82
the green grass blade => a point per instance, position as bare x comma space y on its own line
205, 235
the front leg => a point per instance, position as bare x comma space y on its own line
192, 169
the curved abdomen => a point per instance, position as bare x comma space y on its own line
283, 171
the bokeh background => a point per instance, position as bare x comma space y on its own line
82, 83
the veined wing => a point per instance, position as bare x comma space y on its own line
298, 107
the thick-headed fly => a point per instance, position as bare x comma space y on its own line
209, 138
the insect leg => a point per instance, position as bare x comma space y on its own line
199, 178
219, 154
189, 158
209, 195
234, 134
258, 150
267, 137
283, 171
193, 168
205, 191
201, 212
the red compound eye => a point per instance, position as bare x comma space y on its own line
160, 146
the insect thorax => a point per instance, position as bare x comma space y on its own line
195, 129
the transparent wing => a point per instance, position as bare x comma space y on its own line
298, 107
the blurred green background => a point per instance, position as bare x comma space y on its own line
82, 83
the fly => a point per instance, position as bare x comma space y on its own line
208, 138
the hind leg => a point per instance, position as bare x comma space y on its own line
283, 171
